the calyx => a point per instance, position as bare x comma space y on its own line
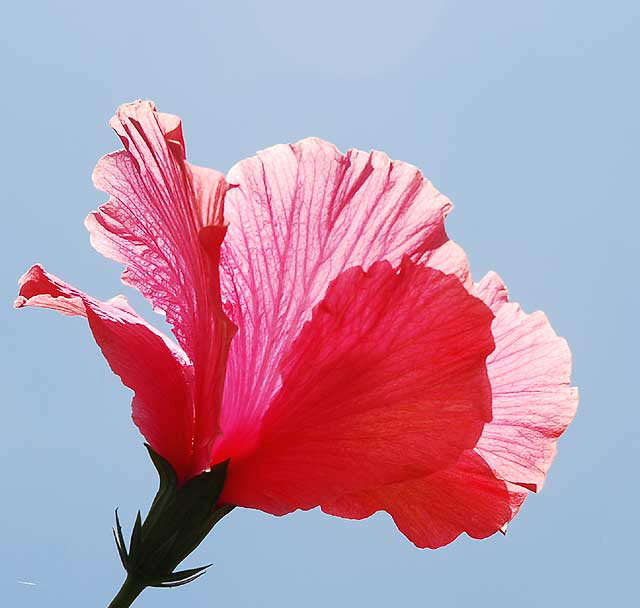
179, 519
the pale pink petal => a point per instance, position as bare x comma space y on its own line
386, 382
532, 404
433, 511
164, 222
299, 216
533, 400
146, 361
449, 258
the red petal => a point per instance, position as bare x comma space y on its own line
300, 216
387, 381
146, 361
532, 403
164, 222
433, 511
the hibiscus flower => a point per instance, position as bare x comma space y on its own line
331, 347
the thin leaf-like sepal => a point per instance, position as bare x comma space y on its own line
179, 583
181, 577
120, 544
136, 535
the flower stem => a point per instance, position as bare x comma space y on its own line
130, 590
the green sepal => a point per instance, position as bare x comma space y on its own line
120, 544
136, 534
180, 578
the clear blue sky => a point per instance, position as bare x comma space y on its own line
525, 114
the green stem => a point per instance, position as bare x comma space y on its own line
130, 590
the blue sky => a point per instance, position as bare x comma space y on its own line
524, 114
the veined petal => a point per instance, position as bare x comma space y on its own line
386, 382
532, 404
152, 366
433, 511
533, 400
299, 216
164, 222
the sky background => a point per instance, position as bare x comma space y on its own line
524, 113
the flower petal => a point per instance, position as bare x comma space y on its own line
433, 511
164, 222
532, 404
299, 216
386, 382
146, 361
533, 400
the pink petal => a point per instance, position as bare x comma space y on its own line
164, 222
300, 216
532, 403
433, 511
449, 258
146, 361
386, 382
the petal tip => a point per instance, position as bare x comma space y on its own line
20, 302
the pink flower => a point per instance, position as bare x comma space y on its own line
330, 341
